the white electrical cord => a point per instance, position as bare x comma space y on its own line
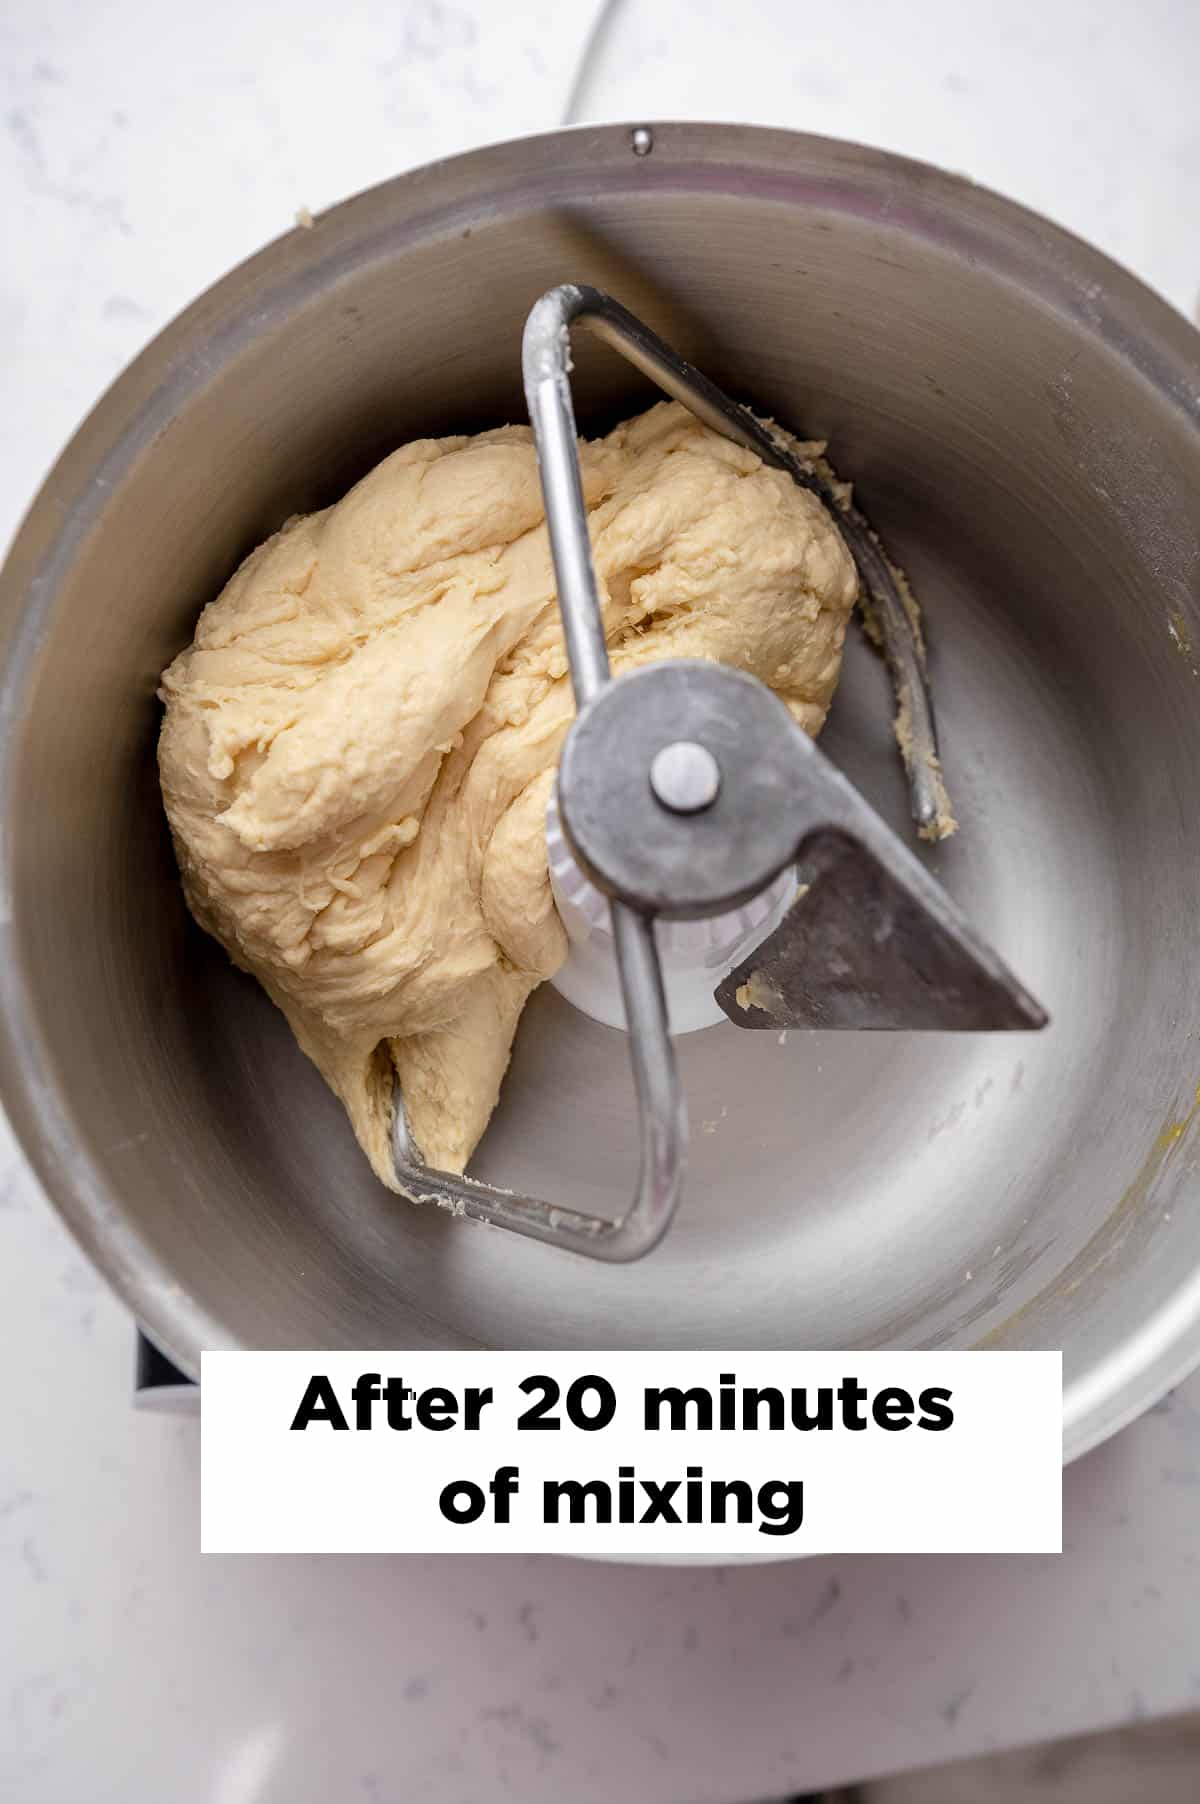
585, 68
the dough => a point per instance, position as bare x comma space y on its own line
359, 745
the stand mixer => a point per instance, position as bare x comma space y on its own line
1022, 419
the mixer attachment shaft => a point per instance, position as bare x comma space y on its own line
686, 787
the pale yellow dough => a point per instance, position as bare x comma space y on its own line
359, 745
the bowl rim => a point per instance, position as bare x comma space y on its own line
1064, 273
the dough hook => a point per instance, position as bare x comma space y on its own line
685, 788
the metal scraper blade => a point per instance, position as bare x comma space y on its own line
870, 944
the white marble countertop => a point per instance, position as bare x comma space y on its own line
137, 164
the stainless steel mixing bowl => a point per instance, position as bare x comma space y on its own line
1023, 421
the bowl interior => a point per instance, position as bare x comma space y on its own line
1013, 413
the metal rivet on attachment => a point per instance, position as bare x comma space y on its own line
642, 141
685, 776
